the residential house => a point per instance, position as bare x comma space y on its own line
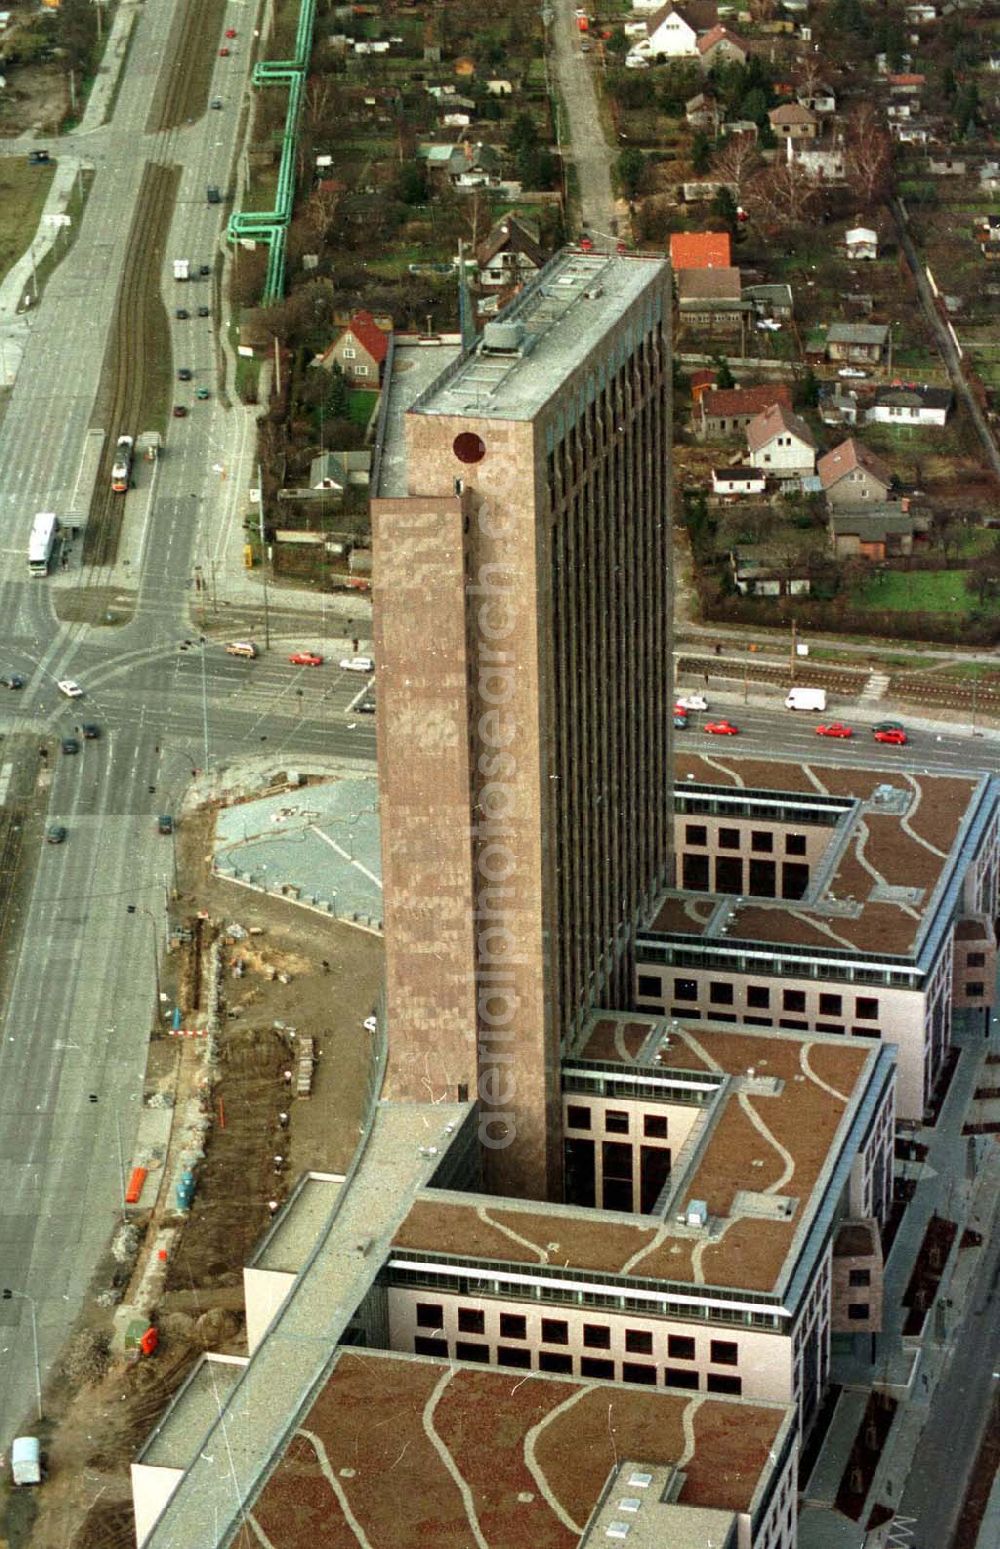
702, 112
906, 85
780, 442
989, 177
727, 411
700, 382
911, 133
509, 255
884, 532
989, 229
719, 46
335, 472
857, 343
838, 405
851, 475
907, 404
738, 481
672, 31
499, 88
740, 126
700, 250
710, 298
760, 570
818, 99
774, 301
828, 164
947, 166
793, 122
481, 168
860, 242
446, 160
917, 14
359, 350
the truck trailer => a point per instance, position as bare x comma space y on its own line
182, 268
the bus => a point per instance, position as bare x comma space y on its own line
44, 531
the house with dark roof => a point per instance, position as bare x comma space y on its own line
884, 532
857, 342
727, 411
359, 350
738, 481
851, 475
907, 404
509, 255
780, 442
710, 298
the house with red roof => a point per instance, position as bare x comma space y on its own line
727, 411
851, 475
780, 442
719, 46
359, 350
700, 250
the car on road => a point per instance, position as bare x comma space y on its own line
230, 32
692, 702
181, 313
69, 687
201, 394
70, 745
888, 726
305, 659
12, 680
164, 823
223, 53
894, 735
216, 102
768, 325
55, 833
722, 729
680, 719
371, 1024
835, 729
357, 664
90, 731
204, 312
204, 270
853, 373
184, 374
179, 411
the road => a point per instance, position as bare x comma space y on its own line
584, 140
76, 1015
946, 343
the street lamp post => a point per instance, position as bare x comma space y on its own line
9, 1295
138, 909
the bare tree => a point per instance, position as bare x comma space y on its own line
809, 73
736, 161
783, 193
869, 153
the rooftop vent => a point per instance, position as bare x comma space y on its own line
503, 338
640, 1481
697, 1212
618, 1530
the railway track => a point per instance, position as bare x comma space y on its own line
134, 360
911, 688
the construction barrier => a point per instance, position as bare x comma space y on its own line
135, 1184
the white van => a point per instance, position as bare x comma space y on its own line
241, 648
806, 699
26, 1460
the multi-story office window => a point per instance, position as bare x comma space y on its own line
553, 1361
729, 839
724, 1352
465, 1350
591, 1366
761, 840
680, 1347
577, 1117
514, 1356
430, 1315
830, 1005
638, 1341
597, 1336
650, 984
795, 844
471, 1321
866, 1008
758, 995
719, 1382
793, 1000
696, 833
555, 1331
859, 1277
616, 1121
685, 989
720, 994
678, 1377
654, 1126
513, 1326
638, 1371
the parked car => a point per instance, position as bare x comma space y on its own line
204, 311
216, 102
722, 729
692, 702
181, 313
230, 32
55, 833
888, 726
179, 411
90, 731
69, 687
223, 53
184, 374
70, 745
371, 1024
201, 394
305, 659
12, 680
358, 664
680, 720
164, 823
204, 270
895, 735
834, 729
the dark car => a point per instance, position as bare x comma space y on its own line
179, 411
55, 833
680, 722
182, 313
12, 680
201, 394
39, 158
204, 312
216, 102
165, 823
184, 374
90, 731
70, 745
204, 270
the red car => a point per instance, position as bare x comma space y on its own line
223, 53
722, 728
895, 734
230, 32
305, 659
835, 729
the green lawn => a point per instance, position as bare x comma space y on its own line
23, 190
360, 406
915, 591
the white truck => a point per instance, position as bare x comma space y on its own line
806, 699
182, 268
26, 1460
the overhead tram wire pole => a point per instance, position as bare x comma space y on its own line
140, 909
22, 1296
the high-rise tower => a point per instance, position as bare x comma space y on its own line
522, 605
